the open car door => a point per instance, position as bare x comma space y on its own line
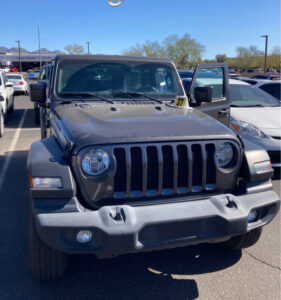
209, 91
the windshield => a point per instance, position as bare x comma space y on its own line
108, 78
248, 95
14, 77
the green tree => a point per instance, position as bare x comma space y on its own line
221, 58
184, 51
74, 49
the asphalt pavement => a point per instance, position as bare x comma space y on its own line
195, 272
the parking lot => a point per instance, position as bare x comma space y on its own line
204, 272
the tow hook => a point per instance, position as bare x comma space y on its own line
116, 214
231, 203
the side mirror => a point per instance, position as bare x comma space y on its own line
9, 84
38, 93
203, 94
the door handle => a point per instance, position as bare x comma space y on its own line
224, 112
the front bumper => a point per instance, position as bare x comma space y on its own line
143, 228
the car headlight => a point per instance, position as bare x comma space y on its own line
95, 162
223, 154
246, 129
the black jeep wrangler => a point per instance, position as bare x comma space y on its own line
127, 162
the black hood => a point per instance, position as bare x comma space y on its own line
97, 124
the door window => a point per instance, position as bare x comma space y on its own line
211, 77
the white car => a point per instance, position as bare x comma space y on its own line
6, 99
256, 116
20, 84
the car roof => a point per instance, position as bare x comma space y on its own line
235, 81
112, 57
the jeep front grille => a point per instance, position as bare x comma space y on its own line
164, 169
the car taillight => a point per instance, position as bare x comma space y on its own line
21, 82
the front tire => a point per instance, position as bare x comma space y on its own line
46, 263
244, 240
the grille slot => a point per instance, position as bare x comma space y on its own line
136, 170
168, 165
197, 168
164, 169
211, 168
152, 168
120, 176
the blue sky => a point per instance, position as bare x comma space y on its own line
220, 25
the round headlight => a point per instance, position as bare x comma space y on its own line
95, 162
223, 155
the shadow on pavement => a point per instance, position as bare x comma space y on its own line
165, 274
15, 117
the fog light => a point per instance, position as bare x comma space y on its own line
253, 216
84, 236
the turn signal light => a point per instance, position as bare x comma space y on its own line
44, 182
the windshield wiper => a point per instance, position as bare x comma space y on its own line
136, 94
84, 94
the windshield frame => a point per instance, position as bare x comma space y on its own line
129, 62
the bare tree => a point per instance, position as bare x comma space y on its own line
249, 58
274, 58
149, 48
221, 58
74, 49
184, 51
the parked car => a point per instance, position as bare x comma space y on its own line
33, 75
255, 115
13, 69
266, 77
186, 73
20, 84
6, 98
271, 87
125, 165
42, 79
34, 69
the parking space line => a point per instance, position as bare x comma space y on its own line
11, 150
